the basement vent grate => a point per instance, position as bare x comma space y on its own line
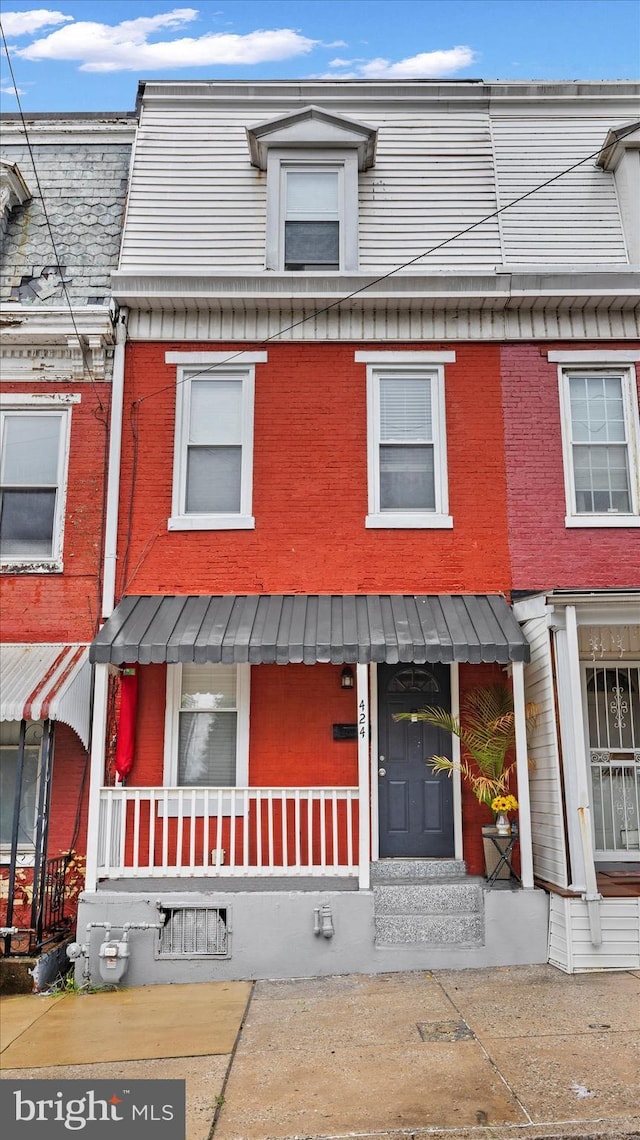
195, 932
455, 1030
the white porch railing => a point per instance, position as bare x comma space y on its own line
184, 832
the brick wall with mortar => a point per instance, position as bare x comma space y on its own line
310, 484
65, 606
546, 554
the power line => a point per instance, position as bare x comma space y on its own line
58, 264
390, 273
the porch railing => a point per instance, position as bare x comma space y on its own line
192, 831
615, 781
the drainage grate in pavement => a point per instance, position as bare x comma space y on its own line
456, 1030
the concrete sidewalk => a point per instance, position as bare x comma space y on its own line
506, 1052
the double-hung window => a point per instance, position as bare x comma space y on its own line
600, 442
33, 471
207, 726
312, 211
213, 458
407, 451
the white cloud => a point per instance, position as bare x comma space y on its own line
26, 23
125, 46
426, 65
11, 90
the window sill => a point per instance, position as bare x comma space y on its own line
211, 522
601, 520
408, 521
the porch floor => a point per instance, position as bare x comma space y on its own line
234, 883
614, 880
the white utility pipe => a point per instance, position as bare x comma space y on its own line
113, 476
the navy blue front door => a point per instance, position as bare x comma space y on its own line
415, 803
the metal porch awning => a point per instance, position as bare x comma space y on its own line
46, 682
311, 628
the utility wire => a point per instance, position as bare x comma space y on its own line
58, 265
385, 276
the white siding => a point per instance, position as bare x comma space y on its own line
570, 946
196, 205
547, 824
574, 221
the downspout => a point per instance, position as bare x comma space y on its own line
591, 895
101, 672
113, 478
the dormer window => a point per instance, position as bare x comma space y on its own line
312, 159
311, 216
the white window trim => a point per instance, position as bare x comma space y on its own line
605, 362
422, 363
32, 404
346, 163
189, 366
171, 732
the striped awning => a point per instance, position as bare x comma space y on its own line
47, 682
311, 628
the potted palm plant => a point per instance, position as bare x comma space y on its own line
486, 731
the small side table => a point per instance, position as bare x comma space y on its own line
504, 845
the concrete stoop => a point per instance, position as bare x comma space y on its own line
427, 901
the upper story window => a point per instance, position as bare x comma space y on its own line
600, 434
312, 159
407, 447
33, 472
213, 454
312, 214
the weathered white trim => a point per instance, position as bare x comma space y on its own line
406, 521
96, 772
311, 127
113, 474
579, 756
601, 520
48, 401
256, 318
458, 838
13, 188
522, 768
393, 357
363, 720
373, 776
595, 356
194, 359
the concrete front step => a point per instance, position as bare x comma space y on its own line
434, 897
385, 869
435, 929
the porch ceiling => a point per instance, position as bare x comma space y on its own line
311, 628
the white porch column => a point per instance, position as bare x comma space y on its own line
522, 768
592, 897
364, 830
96, 778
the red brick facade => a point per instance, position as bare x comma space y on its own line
544, 553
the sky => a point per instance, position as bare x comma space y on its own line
88, 56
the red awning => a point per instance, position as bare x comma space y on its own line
47, 682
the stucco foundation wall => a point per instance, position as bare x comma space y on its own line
272, 936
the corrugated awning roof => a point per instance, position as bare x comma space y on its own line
47, 682
311, 628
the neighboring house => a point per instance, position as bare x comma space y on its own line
319, 521
62, 187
